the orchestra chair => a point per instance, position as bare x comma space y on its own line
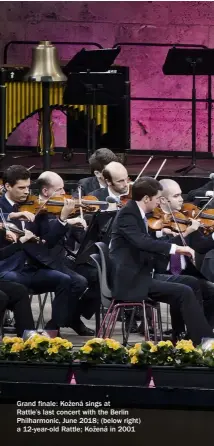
42, 300
113, 307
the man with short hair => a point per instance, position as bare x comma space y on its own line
33, 266
133, 253
117, 179
50, 185
98, 161
171, 200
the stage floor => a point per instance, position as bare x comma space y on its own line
78, 166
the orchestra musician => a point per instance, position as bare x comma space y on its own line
33, 266
133, 252
97, 162
207, 190
171, 200
51, 184
14, 296
116, 178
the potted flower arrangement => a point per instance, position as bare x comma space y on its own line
179, 366
106, 361
39, 359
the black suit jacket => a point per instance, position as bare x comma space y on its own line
200, 192
132, 254
40, 253
101, 194
88, 185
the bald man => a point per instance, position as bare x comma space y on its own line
116, 178
50, 184
172, 200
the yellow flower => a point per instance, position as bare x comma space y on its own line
133, 351
111, 343
187, 346
61, 343
86, 349
169, 359
162, 343
17, 347
150, 343
134, 360
9, 340
169, 344
95, 341
153, 348
53, 349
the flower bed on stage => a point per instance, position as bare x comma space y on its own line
39, 359
106, 362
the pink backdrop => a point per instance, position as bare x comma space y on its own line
167, 125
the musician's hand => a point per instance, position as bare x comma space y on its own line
195, 224
186, 251
25, 215
28, 236
77, 221
11, 236
168, 231
67, 209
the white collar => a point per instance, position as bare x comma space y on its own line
111, 194
8, 199
141, 210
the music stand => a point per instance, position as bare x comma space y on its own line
88, 84
99, 230
194, 62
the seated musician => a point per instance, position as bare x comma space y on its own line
98, 161
204, 191
14, 296
179, 265
33, 266
133, 252
116, 178
50, 184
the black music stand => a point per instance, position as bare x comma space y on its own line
99, 230
86, 86
193, 62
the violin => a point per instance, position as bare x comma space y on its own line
55, 204
206, 216
13, 228
160, 220
177, 221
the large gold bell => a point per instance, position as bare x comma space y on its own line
45, 63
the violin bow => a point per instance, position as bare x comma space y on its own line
180, 233
203, 208
3, 219
177, 225
160, 168
80, 201
144, 167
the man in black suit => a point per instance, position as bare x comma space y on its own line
207, 190
33, 266
172, 200
50, 185
98, 161
133, 252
